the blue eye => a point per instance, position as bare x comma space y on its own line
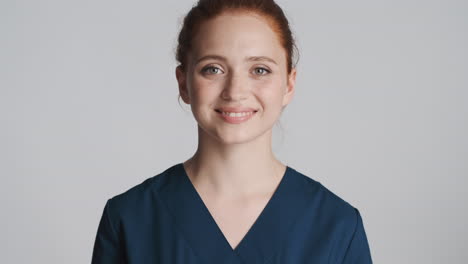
261, 71
211, 70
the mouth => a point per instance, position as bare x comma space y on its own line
235, 117
237, 113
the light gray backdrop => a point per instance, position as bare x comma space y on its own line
88, 108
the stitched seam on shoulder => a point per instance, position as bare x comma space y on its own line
354, 233
176, 227
114, 232
291, 228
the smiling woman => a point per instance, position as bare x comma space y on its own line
232, 201
236, 61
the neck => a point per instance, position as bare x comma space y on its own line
234, 169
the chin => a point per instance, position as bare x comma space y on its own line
232, 134
231, 137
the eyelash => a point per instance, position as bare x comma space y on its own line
265, 69
205, 70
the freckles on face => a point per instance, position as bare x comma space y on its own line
236, 60
228, 41
268, 91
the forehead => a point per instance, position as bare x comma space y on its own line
238, 34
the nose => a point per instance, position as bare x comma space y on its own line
236, 88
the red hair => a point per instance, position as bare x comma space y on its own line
208, 9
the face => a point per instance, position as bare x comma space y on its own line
236, 64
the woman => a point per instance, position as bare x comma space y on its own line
233, 201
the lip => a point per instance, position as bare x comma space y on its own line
236, 109
235, 119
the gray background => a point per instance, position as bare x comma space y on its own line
89, 108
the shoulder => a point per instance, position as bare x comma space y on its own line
333, 219
326, 204
139, 197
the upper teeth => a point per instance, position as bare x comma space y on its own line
237, 114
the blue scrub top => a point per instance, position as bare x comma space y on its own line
164, 220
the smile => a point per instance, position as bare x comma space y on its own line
235, 117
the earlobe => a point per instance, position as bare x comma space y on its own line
182, 81
290, 87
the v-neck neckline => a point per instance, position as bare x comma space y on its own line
257, 221
263, 240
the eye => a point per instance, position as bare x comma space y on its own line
261, 71
211, 70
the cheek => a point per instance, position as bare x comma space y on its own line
270, 91
203, 89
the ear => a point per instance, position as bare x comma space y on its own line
287, 97
182, 81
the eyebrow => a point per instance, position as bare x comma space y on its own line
251, 58
261, 58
